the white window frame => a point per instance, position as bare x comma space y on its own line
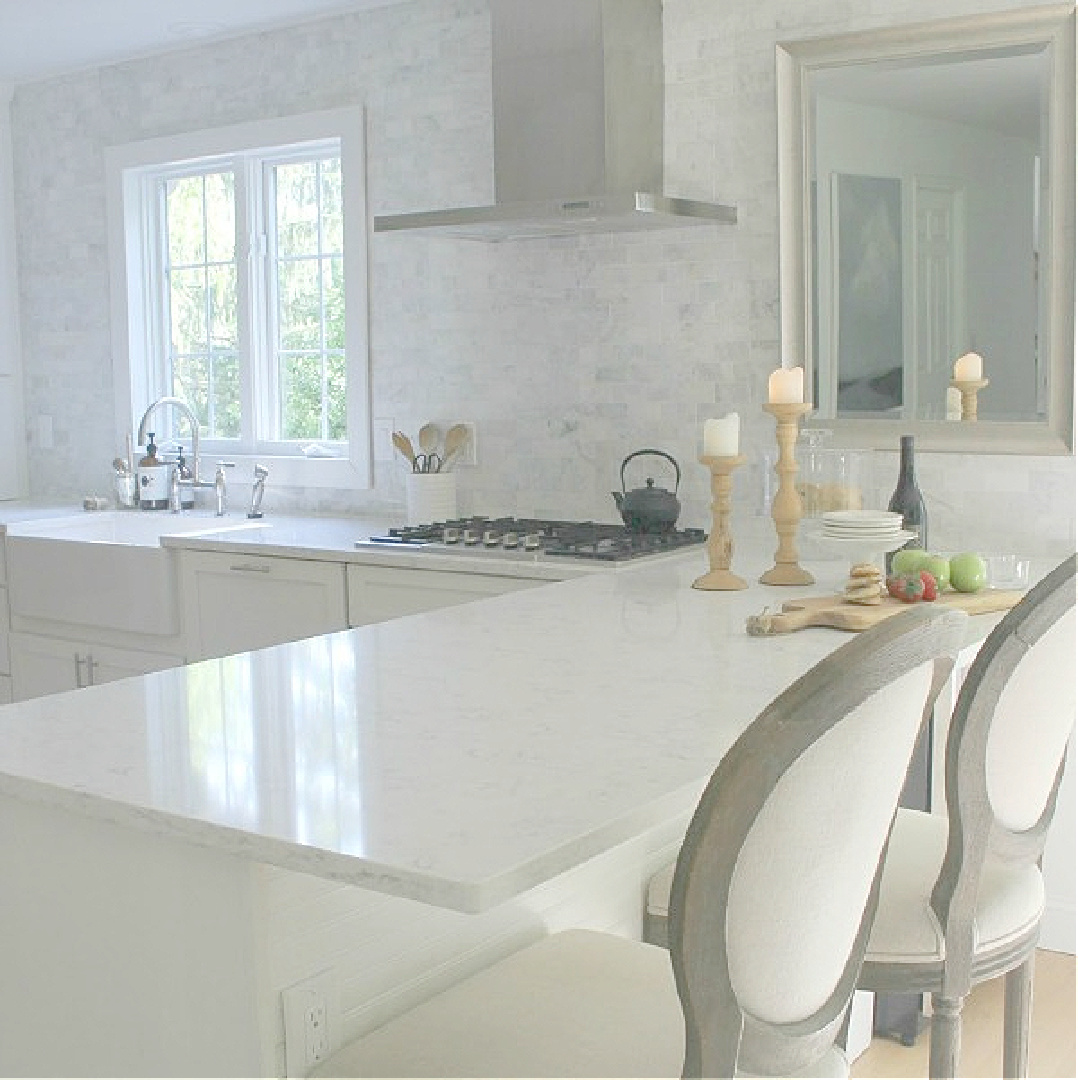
130, 209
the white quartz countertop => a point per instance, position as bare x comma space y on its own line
325, 538
457, 757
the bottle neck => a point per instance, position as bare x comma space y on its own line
905, 467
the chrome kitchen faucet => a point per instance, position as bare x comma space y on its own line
195, 480
185, 410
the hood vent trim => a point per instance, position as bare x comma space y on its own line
588, 160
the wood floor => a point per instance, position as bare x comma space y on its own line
1052, 1039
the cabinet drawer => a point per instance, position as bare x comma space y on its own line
377, 593
46, 665
235, 603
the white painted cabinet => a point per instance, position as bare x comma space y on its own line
233, 603
377, 593
47, 665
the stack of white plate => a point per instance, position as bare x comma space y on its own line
861, 524
862, 533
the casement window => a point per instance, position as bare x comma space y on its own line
241, 260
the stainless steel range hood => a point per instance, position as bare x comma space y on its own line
578, 127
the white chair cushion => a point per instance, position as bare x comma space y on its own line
575, 1004
1009, 902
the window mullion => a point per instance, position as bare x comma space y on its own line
269, 367
247, 303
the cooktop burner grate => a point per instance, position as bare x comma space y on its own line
567, 539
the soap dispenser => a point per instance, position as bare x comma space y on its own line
153, 478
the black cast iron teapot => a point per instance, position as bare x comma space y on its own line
649, 509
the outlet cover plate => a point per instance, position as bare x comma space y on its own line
311, 1011
468, 455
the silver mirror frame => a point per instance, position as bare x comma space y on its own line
1053, 28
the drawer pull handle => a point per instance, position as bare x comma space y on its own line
251, 568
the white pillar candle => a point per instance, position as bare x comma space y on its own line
786, 386
722, 437
954, 403
968, 368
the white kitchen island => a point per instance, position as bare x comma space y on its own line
393, 805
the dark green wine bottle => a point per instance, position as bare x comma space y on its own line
908, 500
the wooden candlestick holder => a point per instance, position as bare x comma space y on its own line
720, 545
969, 389
786, 506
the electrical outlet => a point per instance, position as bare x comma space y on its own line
468, 455
382, 436
311, 1019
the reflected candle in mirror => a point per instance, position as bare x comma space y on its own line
722, 437
786, 386
968, 368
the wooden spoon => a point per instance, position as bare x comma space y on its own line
404, 445
429, 437
456, 439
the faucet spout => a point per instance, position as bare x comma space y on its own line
184, 409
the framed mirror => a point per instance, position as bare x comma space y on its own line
927, 210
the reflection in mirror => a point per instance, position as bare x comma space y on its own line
927, 191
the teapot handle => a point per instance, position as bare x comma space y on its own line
658, 453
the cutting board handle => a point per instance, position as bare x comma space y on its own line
778, 622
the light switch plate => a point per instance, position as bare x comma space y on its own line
382, 437
469, 455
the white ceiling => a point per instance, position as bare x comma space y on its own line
41, 38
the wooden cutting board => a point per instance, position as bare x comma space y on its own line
836, 612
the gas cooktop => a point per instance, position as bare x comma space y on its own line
537, 538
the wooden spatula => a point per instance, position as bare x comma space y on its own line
404, 445
456, 439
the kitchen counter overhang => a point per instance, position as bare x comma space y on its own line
458, 757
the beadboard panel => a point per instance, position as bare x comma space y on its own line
389, 953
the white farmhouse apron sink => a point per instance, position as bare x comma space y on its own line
103, 569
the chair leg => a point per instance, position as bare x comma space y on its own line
1017, 1013
946, 1037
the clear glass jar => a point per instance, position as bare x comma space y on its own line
830, 479
827, 478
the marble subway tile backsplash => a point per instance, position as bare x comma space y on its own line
568, 354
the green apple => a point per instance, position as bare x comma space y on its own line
908, 560
939, 568
968, 572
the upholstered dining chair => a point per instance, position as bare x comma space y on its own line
962, 895
771, 905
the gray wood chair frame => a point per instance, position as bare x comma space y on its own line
720, 1036
975, 833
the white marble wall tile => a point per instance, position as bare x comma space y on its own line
568, 354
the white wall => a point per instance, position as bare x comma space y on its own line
568, 354
12, 442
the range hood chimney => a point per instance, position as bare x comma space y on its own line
578, 127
